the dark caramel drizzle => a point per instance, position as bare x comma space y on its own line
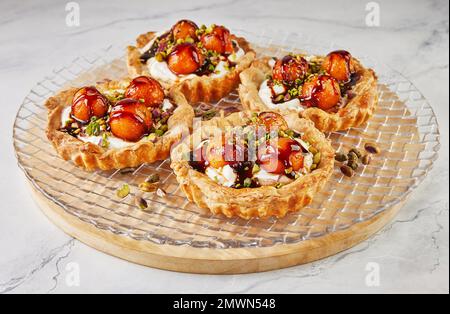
159, 45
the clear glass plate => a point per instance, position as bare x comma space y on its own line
404, 126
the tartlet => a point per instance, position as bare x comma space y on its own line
204, 63
117, 124
336, 92
292, 162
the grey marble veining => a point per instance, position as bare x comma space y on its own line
413, 38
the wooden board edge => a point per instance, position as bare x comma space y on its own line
206, 260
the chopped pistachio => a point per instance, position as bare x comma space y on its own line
366, 159
347, 171
140, 202
105, 141
356, 152
372, 148
353, 164
159, 57
282, 134
290, 133
68, 122
124, 191
313, 150
340, 157
151, 137
256, 168
93, 128
247, 182
317, 158
279, 98
163, 129
153, 178
148, 187
351, 156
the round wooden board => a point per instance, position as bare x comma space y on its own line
213, 261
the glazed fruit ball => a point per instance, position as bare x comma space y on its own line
218, 40
184, 29
321, 91
88, 102
339, 65
130, 120
284, 147
185, 59
147, 90
289, 69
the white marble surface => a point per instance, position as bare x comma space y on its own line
413, 37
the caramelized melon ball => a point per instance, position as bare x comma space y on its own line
289, 69
130, 120
215, 153
184, 29
272, 120
285, 147
88, 102
321, 91
218, 40
146, 89
339, 65
185, 59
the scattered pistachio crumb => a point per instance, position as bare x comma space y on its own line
124, 191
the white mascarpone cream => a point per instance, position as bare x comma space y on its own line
266, 178
224, 176
167, 105
221, 70
234, 57
265, 93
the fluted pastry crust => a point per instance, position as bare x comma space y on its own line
92, 157
265, 201
200, 88
354, 113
